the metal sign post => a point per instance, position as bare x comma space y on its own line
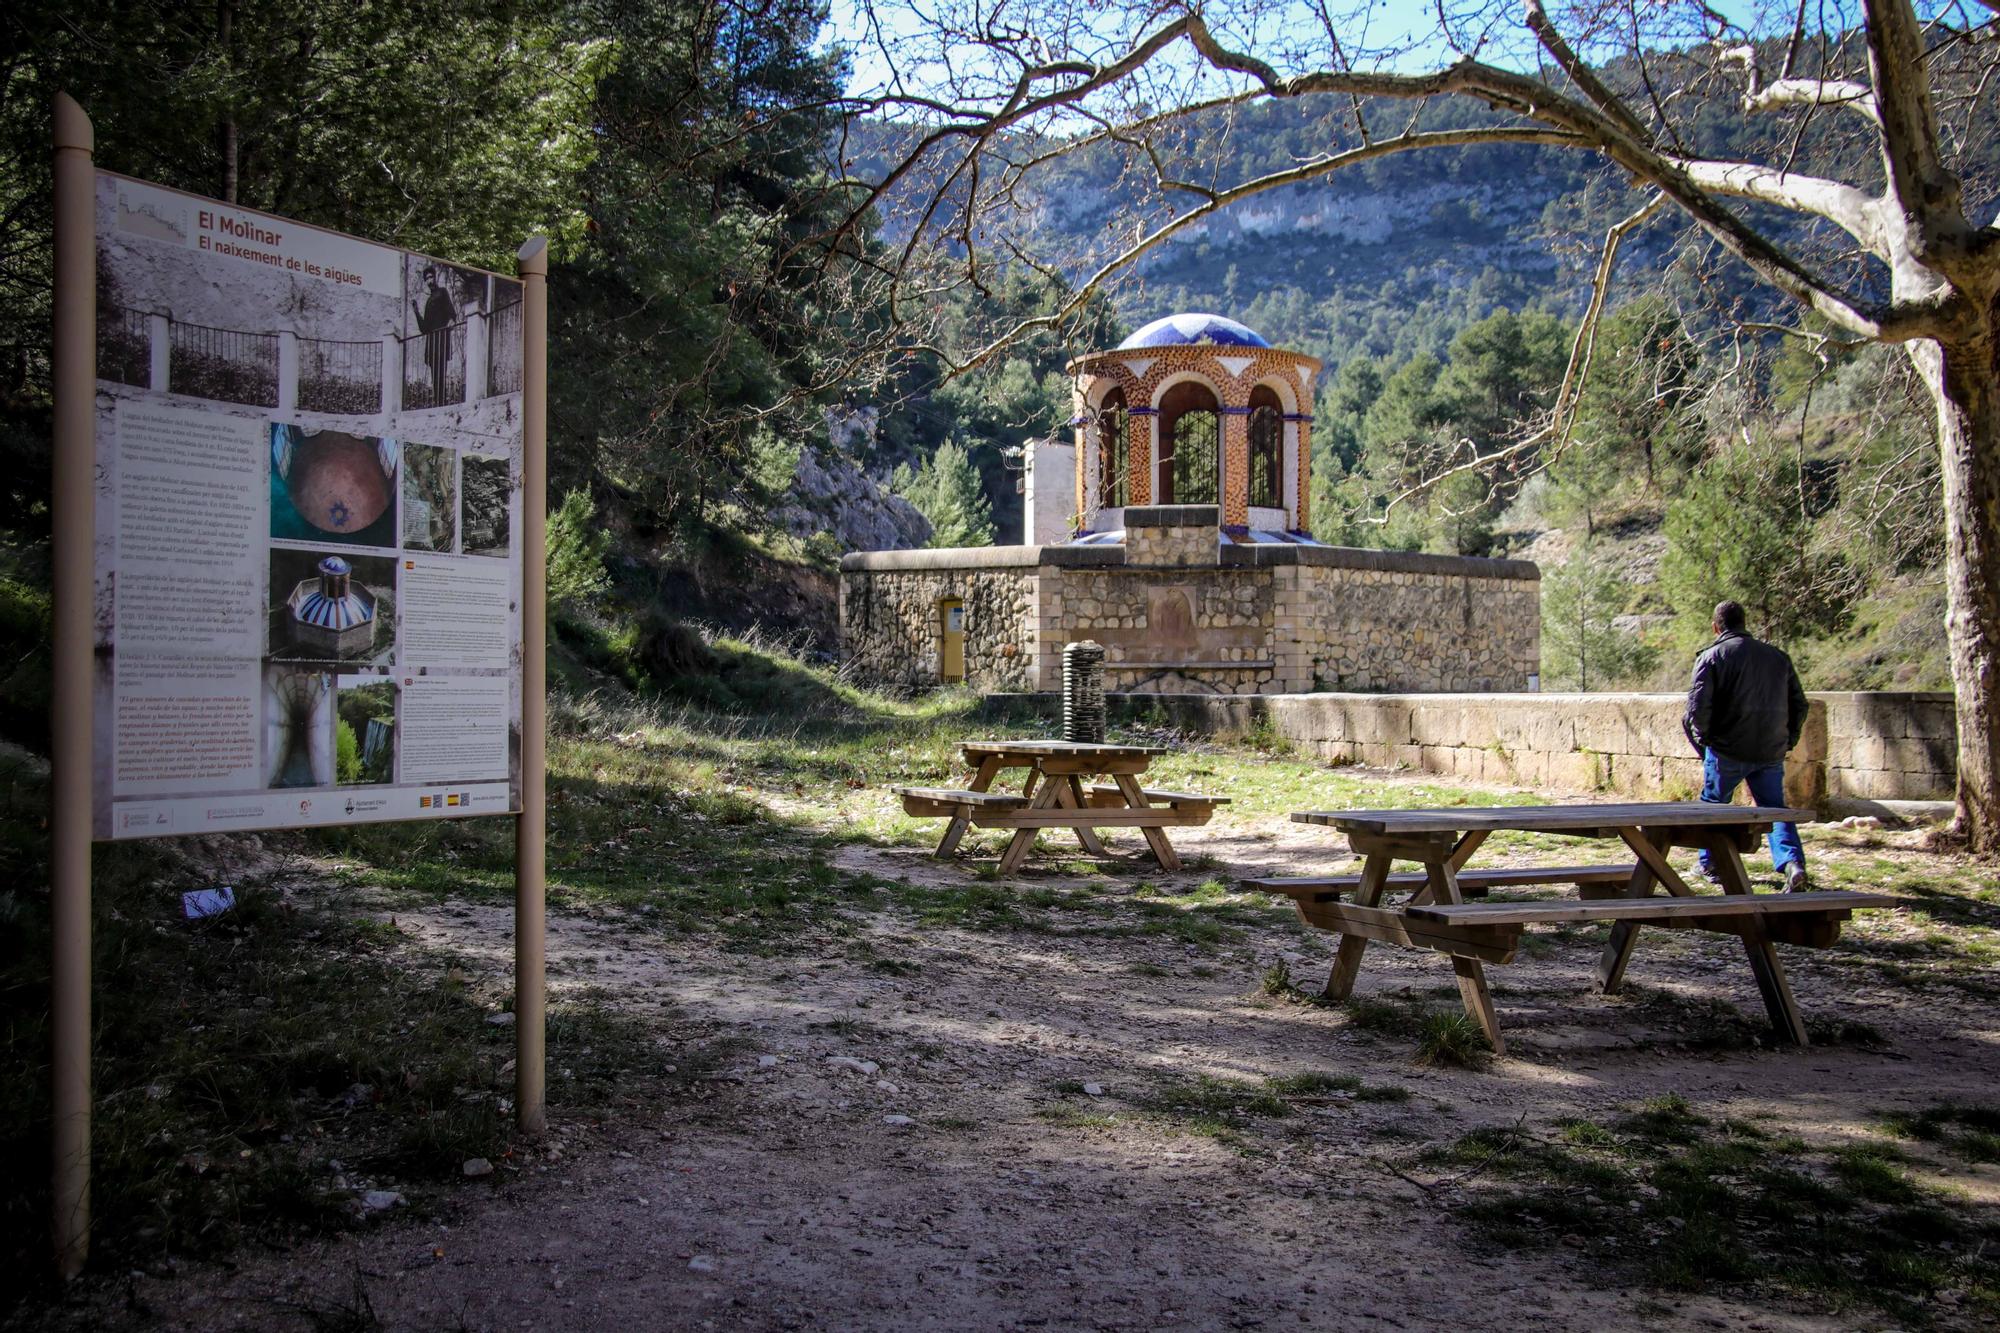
75, 367
531, 826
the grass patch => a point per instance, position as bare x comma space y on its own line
1225, 1108
1072, 1117
1970, 1132
1666, 1196
257, 1072
1209, 1098
1451, 1040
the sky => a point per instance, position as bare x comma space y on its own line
1391, 24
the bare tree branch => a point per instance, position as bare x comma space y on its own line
1918, 181
1784, 92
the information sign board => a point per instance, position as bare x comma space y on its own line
308, 509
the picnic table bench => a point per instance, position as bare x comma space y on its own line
1054, 796
1437, 916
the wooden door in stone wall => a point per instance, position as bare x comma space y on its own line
951, 640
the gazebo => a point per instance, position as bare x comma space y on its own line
1183, 551
1194, 409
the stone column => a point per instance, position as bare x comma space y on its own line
478, 335
392, 375
288, 371
159, 352
1086, 430
1139, 453
1302, 423
1235, 464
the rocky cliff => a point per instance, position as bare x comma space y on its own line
830, 495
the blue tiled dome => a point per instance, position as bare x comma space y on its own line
1194, 329
310, 606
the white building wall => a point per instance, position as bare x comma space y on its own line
1049, 493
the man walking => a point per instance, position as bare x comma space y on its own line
1744, 714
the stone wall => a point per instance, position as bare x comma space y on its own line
1177, 612
1856, 747
889, 622
1388, 621
1172, 536
1884, 747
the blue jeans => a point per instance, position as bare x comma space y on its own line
1719, 776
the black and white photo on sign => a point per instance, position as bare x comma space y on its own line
461, 334
298, 727
430, 497
176, 318
487, 490
329, 605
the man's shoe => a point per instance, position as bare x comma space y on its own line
1795, 878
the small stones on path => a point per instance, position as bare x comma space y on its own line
898, 1121
702, 1263
478, 1166
865, 1068
379, 1201
767, 1062
504, 1019
1093, 1089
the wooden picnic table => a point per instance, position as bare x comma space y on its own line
1054, 795
1437, 916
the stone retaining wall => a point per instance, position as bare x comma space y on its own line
889, 624
1889, 747
1178, 612
1856, 747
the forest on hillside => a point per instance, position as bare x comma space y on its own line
681, 159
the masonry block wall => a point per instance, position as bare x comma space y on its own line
890, 625
1177, 612
1884, 746
1869, 747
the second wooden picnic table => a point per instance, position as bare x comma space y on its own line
1436, 915
1054, 796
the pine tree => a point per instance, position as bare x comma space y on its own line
1581, 647
947, 491
1740, 531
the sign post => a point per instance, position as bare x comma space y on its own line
299, 506
531, 828
74, 363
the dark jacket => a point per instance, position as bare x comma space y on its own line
1746, 703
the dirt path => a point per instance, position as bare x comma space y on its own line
944, 1129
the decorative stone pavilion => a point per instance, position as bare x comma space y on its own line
1188, 554
1194, 409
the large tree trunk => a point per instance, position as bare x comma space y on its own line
1964, 381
